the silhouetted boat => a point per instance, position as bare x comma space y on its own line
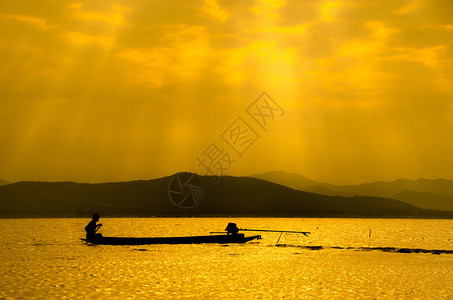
212, 239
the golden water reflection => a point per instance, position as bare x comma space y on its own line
45, 258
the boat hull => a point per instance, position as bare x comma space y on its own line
208, 239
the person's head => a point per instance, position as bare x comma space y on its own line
96, 217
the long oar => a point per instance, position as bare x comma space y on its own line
306, 233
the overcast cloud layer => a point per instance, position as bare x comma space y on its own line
119, 90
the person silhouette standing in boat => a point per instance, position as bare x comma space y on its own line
92, 228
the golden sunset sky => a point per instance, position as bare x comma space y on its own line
96, 91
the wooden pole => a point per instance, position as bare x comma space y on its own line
279, 237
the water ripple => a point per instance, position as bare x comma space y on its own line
383, 249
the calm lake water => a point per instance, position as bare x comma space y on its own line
45, 258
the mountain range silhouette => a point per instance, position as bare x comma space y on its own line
424, 193
223, 196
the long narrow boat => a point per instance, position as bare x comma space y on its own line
212, 239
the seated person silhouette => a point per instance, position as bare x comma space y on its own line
232, 228
92, 228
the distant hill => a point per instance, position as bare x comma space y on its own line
425, 200
292, 180
239, 196
300, 182
3, 182
387, 189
